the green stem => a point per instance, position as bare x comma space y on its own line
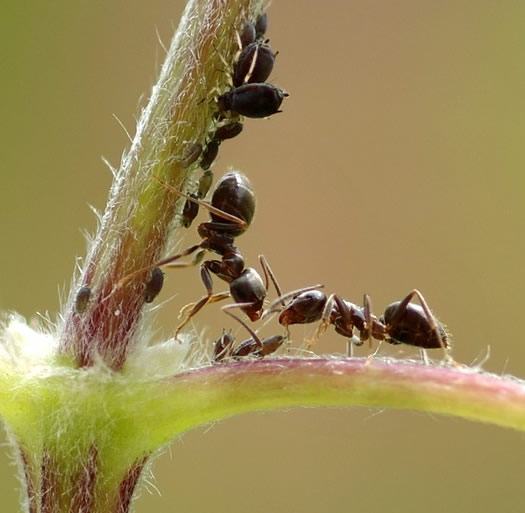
224, 390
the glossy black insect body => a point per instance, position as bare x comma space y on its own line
228, 131
257, 100
409, 325
209, 154
261, 25
255, 64
247, 35
234, 195
190, 211
153, 285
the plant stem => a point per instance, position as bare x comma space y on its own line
223, 390
137, 224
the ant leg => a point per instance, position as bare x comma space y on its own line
197, 259
370, 357
213, 299
367, 311
274, 306
226, 309
208, 283
325, 320
172, 258
123, 281
269, 273
217, 211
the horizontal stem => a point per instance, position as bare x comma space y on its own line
221, 391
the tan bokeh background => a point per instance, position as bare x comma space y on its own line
398, 163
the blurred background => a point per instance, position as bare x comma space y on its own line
397, 163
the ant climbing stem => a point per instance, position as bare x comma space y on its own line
241, 224
217, 211
231, 210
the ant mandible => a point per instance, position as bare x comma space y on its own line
403, 322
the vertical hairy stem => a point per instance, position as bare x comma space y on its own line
78, 463
136, 225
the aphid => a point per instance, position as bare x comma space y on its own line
82, 299
228, 131
209, 155
247, 35
153, 285
254, 64
189, 211
261, 25
205, 182
252, 100
191, 207
191, 154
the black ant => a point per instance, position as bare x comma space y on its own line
402, 322
224, 345
231, 210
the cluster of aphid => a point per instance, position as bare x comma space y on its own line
231, 210
249, 96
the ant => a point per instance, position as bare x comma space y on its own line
223, 346
402, 322
231, 210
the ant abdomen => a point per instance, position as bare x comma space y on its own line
412, 327
234, 195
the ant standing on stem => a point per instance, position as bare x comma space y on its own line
402, 322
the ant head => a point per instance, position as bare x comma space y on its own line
305, 308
